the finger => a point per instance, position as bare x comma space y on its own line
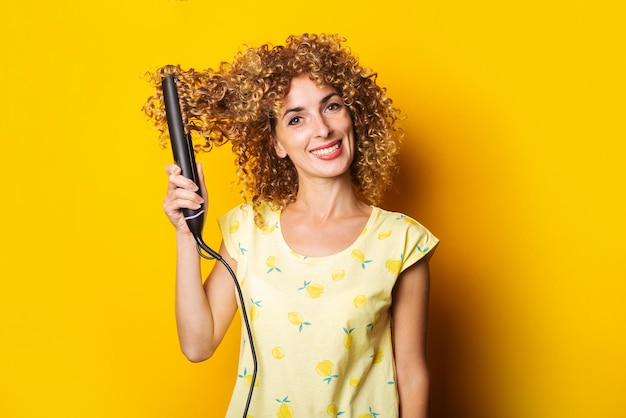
173, 206
175, 172
176, 180
181, 199
172, 169
184, 194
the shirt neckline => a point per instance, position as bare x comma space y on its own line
368, 225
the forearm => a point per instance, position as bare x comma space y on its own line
194, 319
413, 391
410, 315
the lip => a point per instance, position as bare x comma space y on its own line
338, 143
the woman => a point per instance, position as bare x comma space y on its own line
336, 288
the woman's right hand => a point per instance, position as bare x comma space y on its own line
182, 193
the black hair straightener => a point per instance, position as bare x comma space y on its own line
182, 148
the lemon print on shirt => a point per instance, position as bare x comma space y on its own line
254, 309
360, 301
269, 229
325, 369
272, 263
377, 357
254, 313
247, 378
338, 275
347, 340
355, 381
370, 326
333, 411
360, 257
370, 414
278, 353
295, 254
234, 227
384, 235
407, 219
285, 410
296, 319
313, 290
394, 266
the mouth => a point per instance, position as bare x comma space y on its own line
322, 152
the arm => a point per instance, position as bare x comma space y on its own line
410, 320
203, 312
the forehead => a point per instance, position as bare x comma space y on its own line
303, 89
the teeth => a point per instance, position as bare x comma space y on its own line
326, 151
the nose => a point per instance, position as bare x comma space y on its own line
322, 127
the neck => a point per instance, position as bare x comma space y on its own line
327, 199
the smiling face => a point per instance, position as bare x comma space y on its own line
314, 129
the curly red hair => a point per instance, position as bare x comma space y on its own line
238, 102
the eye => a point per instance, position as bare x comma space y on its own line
295, 120
333, 106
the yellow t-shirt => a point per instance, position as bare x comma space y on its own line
321, 326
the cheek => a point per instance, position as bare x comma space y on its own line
348, 124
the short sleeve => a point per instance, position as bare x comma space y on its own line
419, 242
230, 227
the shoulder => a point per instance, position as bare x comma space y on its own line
244, 226
402, 230
232, 219
398, 221
246, 217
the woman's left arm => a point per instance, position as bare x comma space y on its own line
410, 321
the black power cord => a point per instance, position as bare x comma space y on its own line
201, 246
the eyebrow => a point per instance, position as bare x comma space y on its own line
300, 108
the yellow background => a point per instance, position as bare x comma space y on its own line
514, 158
